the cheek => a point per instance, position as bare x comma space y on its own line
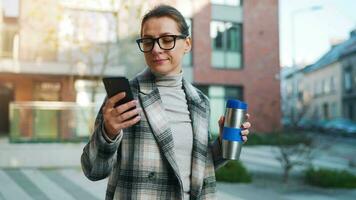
148, 57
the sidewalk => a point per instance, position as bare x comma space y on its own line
39, 154
71, 184
52, 171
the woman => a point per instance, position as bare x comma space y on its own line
161, 149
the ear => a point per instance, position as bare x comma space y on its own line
187, 45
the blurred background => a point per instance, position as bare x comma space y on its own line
292, 61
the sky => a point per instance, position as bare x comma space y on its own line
314, 30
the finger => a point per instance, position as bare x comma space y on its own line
107, 111
245, 132
247, 116
124, 107
221, 123
221, 120
246, 125
244, 138
130, 122
111, 101
130, 114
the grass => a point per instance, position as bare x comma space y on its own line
328, 178
233, 171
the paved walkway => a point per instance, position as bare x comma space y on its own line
71, 184
38, 184
51, 171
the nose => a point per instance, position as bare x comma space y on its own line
156, 48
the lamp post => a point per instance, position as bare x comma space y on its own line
293, 15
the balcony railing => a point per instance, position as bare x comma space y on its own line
44, 121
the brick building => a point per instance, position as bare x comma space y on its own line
245, 70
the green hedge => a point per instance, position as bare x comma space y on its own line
330, 178
233, 171
278, 138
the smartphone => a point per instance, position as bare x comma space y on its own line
115, 85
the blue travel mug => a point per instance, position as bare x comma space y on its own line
232, 139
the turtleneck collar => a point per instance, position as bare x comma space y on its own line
168, 80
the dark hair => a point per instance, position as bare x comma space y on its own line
167, 11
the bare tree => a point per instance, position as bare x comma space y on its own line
292, 151
88, 56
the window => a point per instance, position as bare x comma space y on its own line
315, 89
348, 80
326, 113
226, 41
326, 86
218, 96
332, 84
227, 2
47, 91
349, 110
7, 41
187, 59
333, 109
77, 27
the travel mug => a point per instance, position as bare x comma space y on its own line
232, 139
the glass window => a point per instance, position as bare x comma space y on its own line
332, 84
47, 91
333, 113
7, 39
187, 59
226, 42
347, 80
227, 2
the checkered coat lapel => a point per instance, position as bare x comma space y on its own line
199, 113
153, 107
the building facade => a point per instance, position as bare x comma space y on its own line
323, 92
349, 80
235, 52
246, 69
326, 88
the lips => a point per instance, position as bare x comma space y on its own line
159, 61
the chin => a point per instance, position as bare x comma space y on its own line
161, 69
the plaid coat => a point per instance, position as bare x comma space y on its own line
142, 164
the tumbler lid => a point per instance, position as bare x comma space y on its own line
232, 103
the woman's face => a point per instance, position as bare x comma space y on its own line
164, 62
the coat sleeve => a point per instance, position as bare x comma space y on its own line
216, 151
214, 146
99, 154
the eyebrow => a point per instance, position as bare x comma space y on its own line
162, 34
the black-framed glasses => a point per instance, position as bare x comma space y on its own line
165, 42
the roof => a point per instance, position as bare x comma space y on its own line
334, 54
350, 49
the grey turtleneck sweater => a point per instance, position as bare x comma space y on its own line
176, 107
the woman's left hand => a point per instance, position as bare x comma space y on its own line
245, 126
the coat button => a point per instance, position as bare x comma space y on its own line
151, 175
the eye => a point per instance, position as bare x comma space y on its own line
167, 39
146, 41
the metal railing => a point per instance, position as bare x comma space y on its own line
48, 121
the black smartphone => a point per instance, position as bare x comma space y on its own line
115, 85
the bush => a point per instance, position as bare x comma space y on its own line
277, 138
330, 178
233, 171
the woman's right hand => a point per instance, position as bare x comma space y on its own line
116, 119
